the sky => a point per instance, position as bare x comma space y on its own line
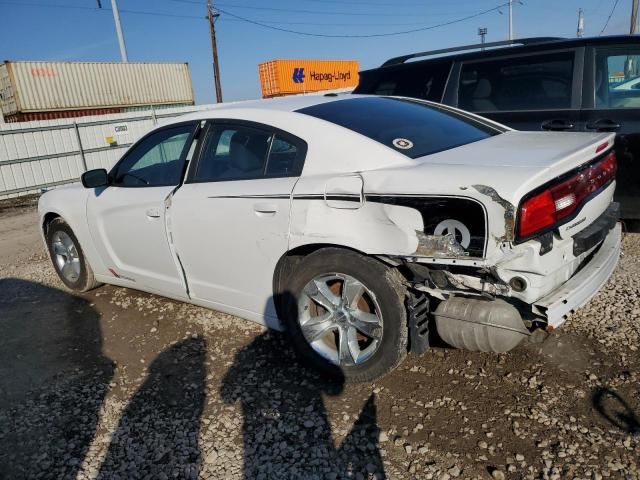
177, 31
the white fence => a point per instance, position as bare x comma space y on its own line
43, 154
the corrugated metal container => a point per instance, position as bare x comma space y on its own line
288, 77
46, 86
55, 114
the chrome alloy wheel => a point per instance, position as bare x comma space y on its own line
340, 318
66, 256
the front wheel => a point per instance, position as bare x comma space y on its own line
67, 257
346, 315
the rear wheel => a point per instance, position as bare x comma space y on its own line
347, 314
67, 257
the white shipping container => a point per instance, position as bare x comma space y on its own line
49, 86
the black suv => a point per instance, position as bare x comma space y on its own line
585, 84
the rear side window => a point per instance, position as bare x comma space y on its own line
410, 127
426, 81
244, 152
233, 153
537, 82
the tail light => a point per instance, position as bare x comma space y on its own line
544, 210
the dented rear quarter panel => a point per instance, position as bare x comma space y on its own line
484, 173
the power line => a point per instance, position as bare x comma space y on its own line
48, 5
197, 17
367, 3
266, 23
315, 12
96, 9
327, 24
381, 4
309, 34
615, 4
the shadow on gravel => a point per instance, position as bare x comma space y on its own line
157, 436
616, 410
286, 431
53, 380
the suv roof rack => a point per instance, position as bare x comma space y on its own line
521, 41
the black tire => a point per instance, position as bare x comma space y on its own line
86, 280
384, 282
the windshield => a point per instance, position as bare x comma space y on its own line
410, 127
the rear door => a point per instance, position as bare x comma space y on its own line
612, 104
536, 91
230, 219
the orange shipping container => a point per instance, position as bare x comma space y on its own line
290, 77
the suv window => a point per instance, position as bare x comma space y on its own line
537, 82
417, 81
410, 127
617, 79
156, 161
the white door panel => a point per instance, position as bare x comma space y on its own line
129, 230
229, 241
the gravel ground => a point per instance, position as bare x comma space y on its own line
118, 384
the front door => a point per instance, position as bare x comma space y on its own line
231, 218
614, 106
128, 218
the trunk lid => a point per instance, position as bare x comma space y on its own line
525, 149
514, 163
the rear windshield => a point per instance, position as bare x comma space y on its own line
409, 127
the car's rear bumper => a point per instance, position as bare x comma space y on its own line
580, 288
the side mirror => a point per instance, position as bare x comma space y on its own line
95, 178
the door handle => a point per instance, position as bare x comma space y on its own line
265, 208
153, 213
557, 124
603, 124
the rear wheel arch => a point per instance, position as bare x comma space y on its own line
383, 283
286, 266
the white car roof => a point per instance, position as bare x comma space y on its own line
282, 104
332, 148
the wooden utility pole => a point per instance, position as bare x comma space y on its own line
634, 18
214, 51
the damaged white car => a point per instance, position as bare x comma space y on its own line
358, 224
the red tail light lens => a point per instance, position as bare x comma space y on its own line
537, 213
545, 209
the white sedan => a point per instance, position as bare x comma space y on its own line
356, 223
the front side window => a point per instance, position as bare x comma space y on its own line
156, 161
410, 127
617, 82
536, 82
